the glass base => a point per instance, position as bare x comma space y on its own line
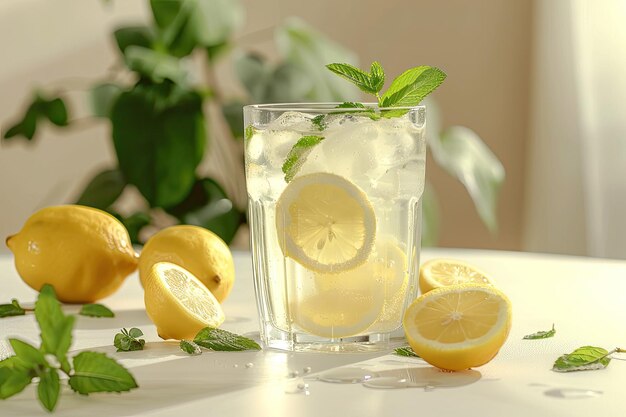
298, 342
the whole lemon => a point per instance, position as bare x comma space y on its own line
196, 249
83, 252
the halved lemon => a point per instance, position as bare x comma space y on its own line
442, 272
459, 326
325, 223
178, 303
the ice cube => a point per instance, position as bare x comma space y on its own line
292, 120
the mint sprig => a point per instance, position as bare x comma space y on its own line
128, 340
96, 310
407, 90
13, 309
542, 334
585, 358
190, 347
223, 340
406, 351
88, 371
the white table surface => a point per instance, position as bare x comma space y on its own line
584, 297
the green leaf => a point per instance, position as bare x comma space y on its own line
134, 36
190, 347
253, 73
56, 328
461, 152
29, 355
128, 341
52, 109
350, 105
233, 113
412, 86
13, 309
218, 339
49, 388
318, 121
357, 77
55, 111
95, 310
14, 362
309, 51
103, 189
583, 359
186, 24
377, 76
102, 97
208, 206
95, 372
406, 351
159, 138
430, 216
542, 334
249, 132
155, 65
13, 380
298, 154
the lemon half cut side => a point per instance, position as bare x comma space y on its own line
325, 223
178, 303
442, 272
459, 326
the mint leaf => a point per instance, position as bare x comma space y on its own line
249, 132
13, 379
406, 351
56, 327
13, 362
128, 341
298, 154
584, 359
377, 76
30, 355
190, 347
410, 88
356, 76
318, 121
13, 309
218, 339
96, 372
49, 388
350, 105
96, 310
542, 334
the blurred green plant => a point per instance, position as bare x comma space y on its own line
161, 119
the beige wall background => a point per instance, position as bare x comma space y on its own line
484, 46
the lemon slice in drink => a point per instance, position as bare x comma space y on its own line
325, 223
178, 303
442, 272
458, 327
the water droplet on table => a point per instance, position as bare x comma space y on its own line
572, 393
293, 374
347, 375
306, 370
297, 388
249, 365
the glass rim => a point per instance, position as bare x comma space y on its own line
325, 107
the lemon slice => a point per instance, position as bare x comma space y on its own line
178, 303
459, 326
325, 223
442, 272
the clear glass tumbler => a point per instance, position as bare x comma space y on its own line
335, 219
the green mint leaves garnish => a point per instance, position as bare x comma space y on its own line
370, 83
96, 372
298, 154
407, 90
319, 122
223, 340
406, 351
249, 132
13, 309
88, 371
585, 358
542, 334
128, 340
96, 310
190, 347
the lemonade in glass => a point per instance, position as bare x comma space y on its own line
335, 199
